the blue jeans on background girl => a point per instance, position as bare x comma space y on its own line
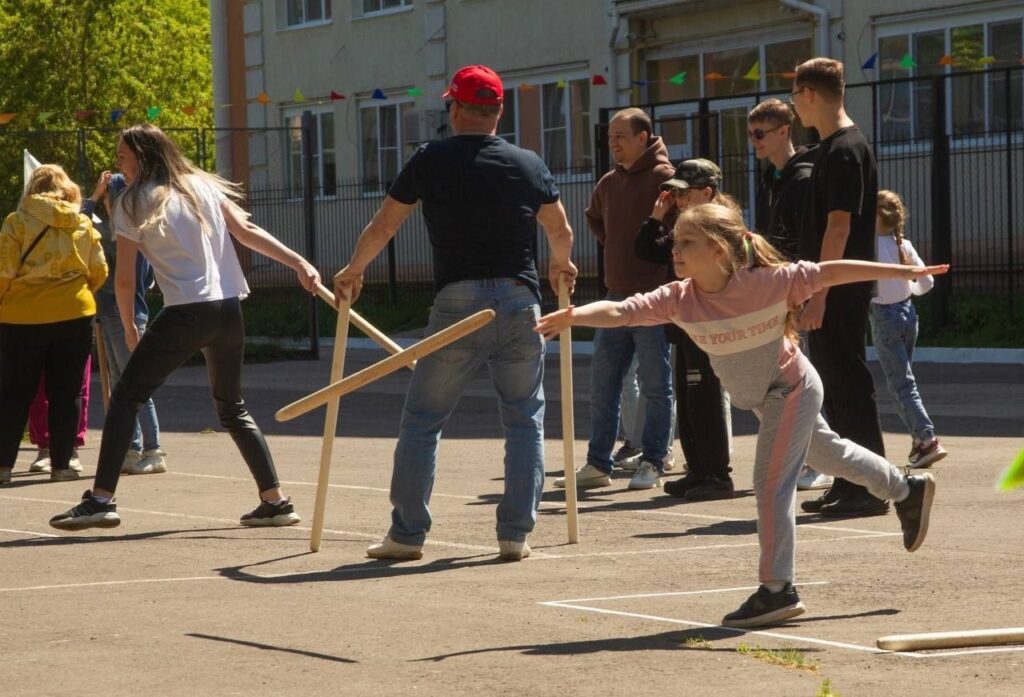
894, 333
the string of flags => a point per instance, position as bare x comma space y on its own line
115, 115
907, 61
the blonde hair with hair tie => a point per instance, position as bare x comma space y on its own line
893, 215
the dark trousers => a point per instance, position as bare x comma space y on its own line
57, 350
215, 328
703, 431
838, 354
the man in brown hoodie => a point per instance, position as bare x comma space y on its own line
620, 204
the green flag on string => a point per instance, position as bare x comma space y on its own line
907, 62
678, 78
415, 92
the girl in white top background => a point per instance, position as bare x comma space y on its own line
183, 220
736, 302
894, 329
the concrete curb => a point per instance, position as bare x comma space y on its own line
926, 354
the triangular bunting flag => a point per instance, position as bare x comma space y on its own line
870, 63
115, 115
29, 165
640, 83
907, 62
298, 96
7, 117
987, 60
414, 92
1013, 477
335, 96
947, 60
560, 84
789, 76
714, 75
264, 98
45, 116
378, 94
152, 112
83, 114
598, 80
526, 86
754, 73
678, 78
188, 110
224, 106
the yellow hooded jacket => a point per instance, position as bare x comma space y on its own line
57, 280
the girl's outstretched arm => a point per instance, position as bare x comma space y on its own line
836, 273
603, 314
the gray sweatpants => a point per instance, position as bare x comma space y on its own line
792, 430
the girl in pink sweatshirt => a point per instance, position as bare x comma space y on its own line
736, 301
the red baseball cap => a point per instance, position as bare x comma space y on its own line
476, 84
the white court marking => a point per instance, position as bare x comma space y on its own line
576, 604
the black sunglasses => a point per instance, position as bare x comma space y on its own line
760, 133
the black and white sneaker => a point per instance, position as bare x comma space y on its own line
271, 515
914, 510
766, 608
90, 513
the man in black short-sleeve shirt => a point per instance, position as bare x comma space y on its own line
841, 209
482, 198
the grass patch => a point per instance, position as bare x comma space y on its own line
697, 642
825, 689
789, 658
981, 321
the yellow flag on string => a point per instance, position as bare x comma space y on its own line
754, 73
1013, 477
298, 96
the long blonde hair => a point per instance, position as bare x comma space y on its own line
744, 249
163, 168
51, 181
893, 214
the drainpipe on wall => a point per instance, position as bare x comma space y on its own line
613, 59
822, 17
221, 83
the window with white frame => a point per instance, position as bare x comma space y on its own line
383, 146
507, 122
299, 12
366, 8
324, 165
553, 120
977, 102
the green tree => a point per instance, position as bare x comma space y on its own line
68, 56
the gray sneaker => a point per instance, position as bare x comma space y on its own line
510, 550
389, 549
587, 477
647, 476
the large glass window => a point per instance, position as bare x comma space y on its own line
1005, 46
780, 61
660, 72
554, 122
306, 11
382, 144
507, 122
725, 72
377, 6
967, 45
325, 173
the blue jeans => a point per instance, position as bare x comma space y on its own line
147, 427
634, 407
514, 355
894, 332
613, 351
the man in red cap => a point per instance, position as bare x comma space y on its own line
482, 198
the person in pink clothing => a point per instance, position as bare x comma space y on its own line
737, 301
39, 425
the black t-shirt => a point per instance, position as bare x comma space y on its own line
480, 200
844, 179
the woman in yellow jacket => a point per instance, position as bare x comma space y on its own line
50, 264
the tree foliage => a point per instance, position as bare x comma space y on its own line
68, 56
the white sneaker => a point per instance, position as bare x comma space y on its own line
389, 549
646, 477
633, 464
810, 479
510, 550
146, 462
669, 463
74, 463
587, 477
42, 463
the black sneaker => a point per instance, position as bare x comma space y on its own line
815, 505
272, 515
712, 489
679, 487
913, 511
90, 513
856, 506
766, 608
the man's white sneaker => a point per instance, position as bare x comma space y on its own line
42, 462
647, 476
587, 477
75, 463
669, 463
810, 480
389, 549
146, 462
510, 550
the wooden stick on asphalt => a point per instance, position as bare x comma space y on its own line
952, 640
330, 425
568, 423
101, 356
388, 365
371, 331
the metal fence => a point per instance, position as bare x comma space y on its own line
951, 144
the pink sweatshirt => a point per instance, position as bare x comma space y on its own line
742, 327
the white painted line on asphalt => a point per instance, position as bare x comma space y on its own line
298, 483
28, 532
675, 593
802, 526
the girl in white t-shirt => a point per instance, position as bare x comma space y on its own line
894, 330
736, 303
182, 219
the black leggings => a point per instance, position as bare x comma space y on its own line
703, 431
215, 328
27, 352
